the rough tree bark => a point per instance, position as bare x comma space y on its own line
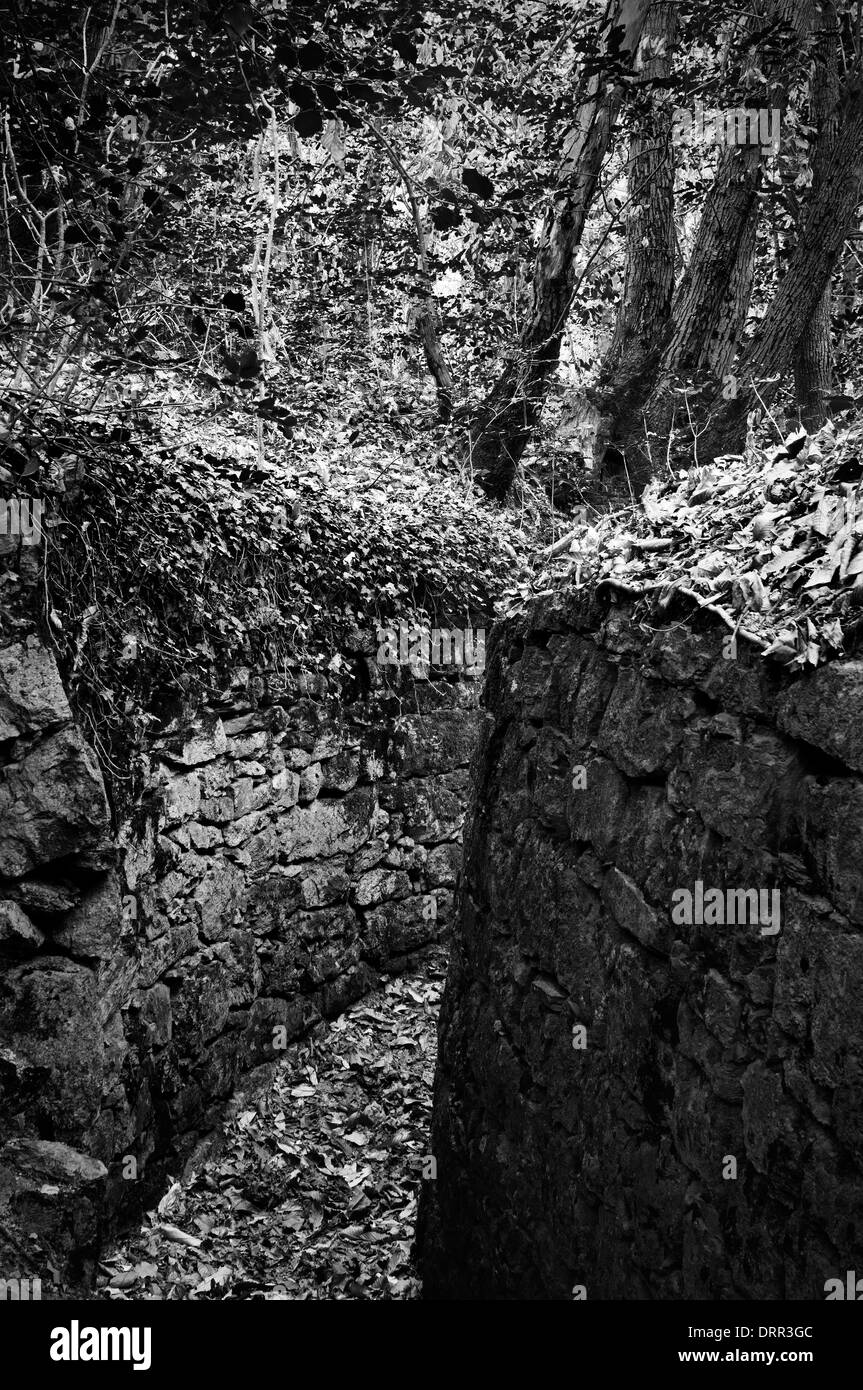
813, 356
650, 245
508, 416
649, 275
712, 299
828, 222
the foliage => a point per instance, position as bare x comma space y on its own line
771, 543
213, 279
314, 1192
171, 564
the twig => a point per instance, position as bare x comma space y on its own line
652, 542
430, 319
766, 410
563, 544
641, 591
88, 71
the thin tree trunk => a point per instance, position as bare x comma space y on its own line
813, 357
428, 319
506, 421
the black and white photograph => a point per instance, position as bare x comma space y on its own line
431, 678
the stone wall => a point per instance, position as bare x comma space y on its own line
286, 848
628, 1107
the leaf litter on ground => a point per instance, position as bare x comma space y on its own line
772, 540
313, 1193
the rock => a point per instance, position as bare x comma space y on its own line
436, 742
328, 743
402, 926
431, 809
154, 1011
200, 1004
32, 698
49, 1013
832, 830
341, 773
297, 759
443, 865
248, 745
633, 913
370, 855
600, 1068
344, 991
286, 786
204, 837
326, 828
311, 781
823, 707
53, 1162
237, 905
182, 795
52, 805
325, 885
217, 899
643, 724
202, 744
737, 787
378, 885
50, 899
51, 1198
18, 935
249, 797
274, 1023
93, 928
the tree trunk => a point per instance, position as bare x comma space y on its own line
813, 357
507, 418
650, 241
650, 244
712, 300
828, 222
713, 296
813, 365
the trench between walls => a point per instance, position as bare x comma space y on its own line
600, 1065
286, 851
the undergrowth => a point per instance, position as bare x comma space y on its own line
169, 565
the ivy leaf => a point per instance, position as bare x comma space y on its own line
404, 47
332, 141
445, 218
311, 56
308, 122
477, 183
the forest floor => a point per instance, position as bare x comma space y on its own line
313, 1193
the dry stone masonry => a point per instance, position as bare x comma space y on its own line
629, 1106
285, 850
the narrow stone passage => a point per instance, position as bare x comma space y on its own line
313, 1191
